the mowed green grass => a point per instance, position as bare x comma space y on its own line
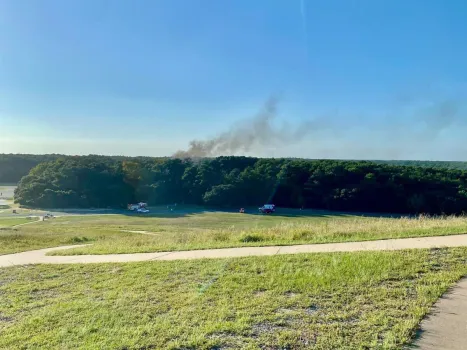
6, 196
202, 230
9, 222
7, 190
321, 301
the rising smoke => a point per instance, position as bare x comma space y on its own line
249, 135
333, 137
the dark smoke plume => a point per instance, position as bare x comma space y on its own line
248, 136
422, 124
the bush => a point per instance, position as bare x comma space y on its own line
77, 239
251, 238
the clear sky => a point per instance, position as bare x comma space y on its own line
364, 79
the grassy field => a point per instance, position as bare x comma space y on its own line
128, 234
324, 301
9, 222
7, 190
6, 196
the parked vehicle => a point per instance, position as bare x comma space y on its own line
267, 209
137, 206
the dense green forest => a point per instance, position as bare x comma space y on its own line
14, 166
94, 181
426, 163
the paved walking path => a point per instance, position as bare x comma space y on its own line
40, 257
446, 326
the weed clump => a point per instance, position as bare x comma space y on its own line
221, 236
77, 239
298, 236
251, 238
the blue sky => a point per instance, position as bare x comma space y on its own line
381, 79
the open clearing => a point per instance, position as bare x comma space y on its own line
203, 230
323, 301
7, 190
10, 222
6, 196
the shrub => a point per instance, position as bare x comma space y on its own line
77, 239
251, 238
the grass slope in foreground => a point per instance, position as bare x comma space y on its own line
323, 301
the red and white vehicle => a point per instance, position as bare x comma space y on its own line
267, 209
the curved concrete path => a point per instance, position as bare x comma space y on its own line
445, 328
40, 257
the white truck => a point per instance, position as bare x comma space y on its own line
139, 207
267, 209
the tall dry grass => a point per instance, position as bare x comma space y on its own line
353, 229
283, 233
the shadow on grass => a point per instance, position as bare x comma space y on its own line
183, 211
187, 210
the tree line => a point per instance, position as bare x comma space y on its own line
14, 166
426, 163
99, 182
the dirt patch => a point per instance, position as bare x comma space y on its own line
286, 311
116, 270
266, 328
5, 319
311, 310
259, 293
